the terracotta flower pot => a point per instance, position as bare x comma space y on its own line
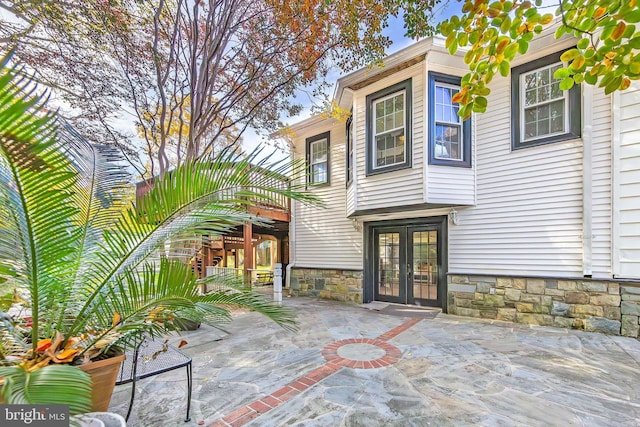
103, 374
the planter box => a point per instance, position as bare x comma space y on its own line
103, 374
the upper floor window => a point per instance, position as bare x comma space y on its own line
388, 128
542, 112
450, 136
349, 149
318, 159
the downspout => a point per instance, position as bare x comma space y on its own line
292, 237
587, 181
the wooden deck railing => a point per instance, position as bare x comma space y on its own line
263, 199
218, 276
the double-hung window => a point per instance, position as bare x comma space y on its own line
450, 136
388, 128
542, 112
318, 159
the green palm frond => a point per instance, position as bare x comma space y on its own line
91, 262
205, 197
49, 385
36, 175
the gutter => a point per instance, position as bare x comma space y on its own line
292, 238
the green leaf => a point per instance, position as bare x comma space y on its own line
569, 55
479, 108
505, 25
468, 57
482, 91
612, 85
504, 69
566, 84
451, 43
583, 43
445, 28
523, 46
629, 31
481, 102
561, 73
511, 51
608, 30
635, 42
591, 79
463, 38
527, 37
465, 111
633, 16
53, 384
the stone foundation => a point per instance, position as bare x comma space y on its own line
338, 285
590, 305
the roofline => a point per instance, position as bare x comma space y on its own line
409, 53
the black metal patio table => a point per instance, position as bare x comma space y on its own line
154, 357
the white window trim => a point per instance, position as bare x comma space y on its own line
374, 151
522, 106
325, 161
459, 123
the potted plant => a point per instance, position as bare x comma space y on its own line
91, 265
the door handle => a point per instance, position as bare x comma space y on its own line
409, 270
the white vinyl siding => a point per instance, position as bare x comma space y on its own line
324, 237
400, 187
601, 184
449, 185
350, 200
627, 187
528, 218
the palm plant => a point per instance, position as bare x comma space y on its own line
88, 260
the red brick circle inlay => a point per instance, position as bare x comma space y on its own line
391, 356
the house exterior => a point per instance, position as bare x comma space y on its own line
529, 212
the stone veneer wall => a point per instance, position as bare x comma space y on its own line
590, 305
339, 285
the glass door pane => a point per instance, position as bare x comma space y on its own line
425, 265
389, 264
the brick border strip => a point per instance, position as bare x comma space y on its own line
253, 410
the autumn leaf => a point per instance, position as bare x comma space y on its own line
43, 345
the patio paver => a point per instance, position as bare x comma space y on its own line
348, 366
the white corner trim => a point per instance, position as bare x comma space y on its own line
615, 187
587, 180
426, 140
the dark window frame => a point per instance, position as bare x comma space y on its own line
349, 150
465, 162
308, 142
574, 99
405, 86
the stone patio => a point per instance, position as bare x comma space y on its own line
355, 365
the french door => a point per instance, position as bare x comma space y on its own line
407, 264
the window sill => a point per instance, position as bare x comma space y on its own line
383, 170
450, 163
544, 141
